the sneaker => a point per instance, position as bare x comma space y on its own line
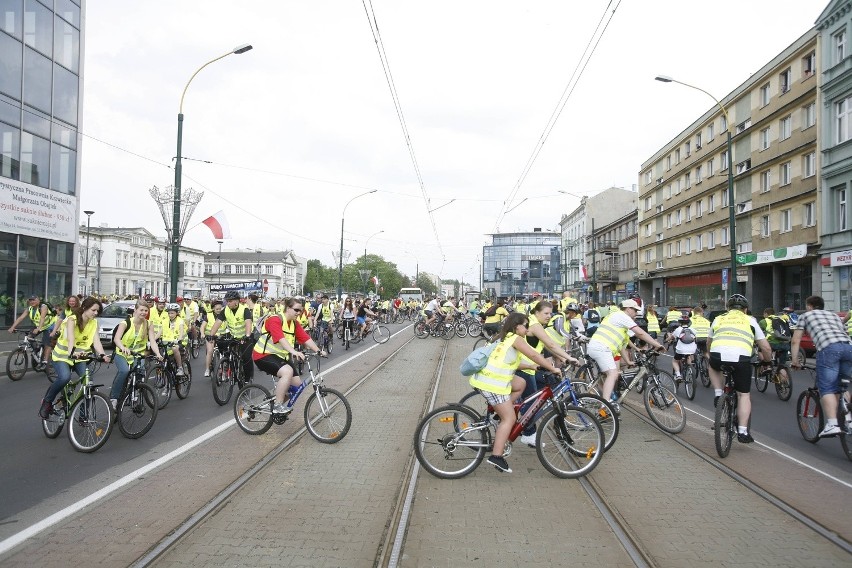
179, 372
45, 410
830, 430
745, 438
528, 440
500, 463
615, 407
207, 373
281, 409
114, 403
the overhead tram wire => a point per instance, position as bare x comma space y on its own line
377, 39
560, 105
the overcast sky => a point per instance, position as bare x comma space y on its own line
305, 121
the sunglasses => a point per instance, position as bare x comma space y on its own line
297, 310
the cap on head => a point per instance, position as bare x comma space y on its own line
629, 304
787, 309
33, 297
232, 295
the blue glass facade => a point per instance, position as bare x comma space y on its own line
519, 264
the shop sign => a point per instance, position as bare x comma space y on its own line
775, 255
37, 212
254, 285
842, 258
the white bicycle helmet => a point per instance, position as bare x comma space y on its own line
172, 308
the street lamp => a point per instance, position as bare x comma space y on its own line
220, 261
176, 236
88, 234
340, 266
732, 220
416, 266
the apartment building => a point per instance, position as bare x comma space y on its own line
613, 259
835, 126
684, 226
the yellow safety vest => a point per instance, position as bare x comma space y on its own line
673, 315
257, 312
156, 320
615, 338
267, 347
849, 327
82, 340
211, 319
733, 329
701, 326
497, 374
327, 313
35, 316
236, 321
135, 342
175, 330
555, 335
654, 323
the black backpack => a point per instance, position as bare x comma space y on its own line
491, 311
592, 316
780, 329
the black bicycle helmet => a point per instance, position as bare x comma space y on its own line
737, 301
232, 295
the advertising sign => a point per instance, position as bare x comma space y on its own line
251, 286
37, 212
842, 258
775, 255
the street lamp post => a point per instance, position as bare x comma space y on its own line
340, 265
219, 258
176, 237
732, 219
88, 234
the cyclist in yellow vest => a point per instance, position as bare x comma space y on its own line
275, 350
498, 383
566, 299
43, 318
492, 322
254, 305
731, 341
654, 322
847, 319
131, 340
238, 320
79, 334
174, 331
207, 320
611, 338
324, 317
701, 326
157, 316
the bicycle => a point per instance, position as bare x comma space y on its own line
137, 406
194, 341
661, 402
346, 334
325, 337
811, 420
689, 374
324, 418
163, 375
569, 438
777, 374
88, 413
725, 421
28, 354
227, 370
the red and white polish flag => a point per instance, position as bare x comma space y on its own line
583, 274
218, 224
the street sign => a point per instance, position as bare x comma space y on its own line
724, 279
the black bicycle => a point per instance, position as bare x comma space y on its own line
228, 370
164, 378
138, 404
28, 354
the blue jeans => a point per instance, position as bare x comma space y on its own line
63, 375
833, 362
530, 389
122, 370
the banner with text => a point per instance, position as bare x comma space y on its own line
37, 212
251, 286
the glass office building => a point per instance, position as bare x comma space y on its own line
41, 42
521, 264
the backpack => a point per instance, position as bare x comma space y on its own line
490, 311
592, 316
780, 329
687, 337
259, 327
477, 359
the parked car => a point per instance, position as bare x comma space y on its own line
112, 315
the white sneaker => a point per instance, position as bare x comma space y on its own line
179, 372
528, 440
114, 403
281, 409
830, 430
207, 373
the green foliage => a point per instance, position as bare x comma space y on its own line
425, 284
320, 277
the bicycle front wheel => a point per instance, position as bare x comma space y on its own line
723, 429
569, 445
784, 384
689, 382
421, 330
664, 408
328, 415
158, 378
703, 373
196, 348
605, 413
183, 383
474, 328
137, 411
809, 415
253, 409
222, 381
17, 363
449, 443
761, 380
461, 329
90, 423
381, 334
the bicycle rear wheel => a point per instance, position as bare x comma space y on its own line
664, 408
222, 381
605, 413
90, 423
448, 445
381, 334
137, 411
474, 328
184, 383
328, 415
52, 425
253, 409
158, 378
723, 429
845, 439
475, 402
196, 348
16, 364
784, 384
421, 330
570, 446
809, 415
461, 329
761, 379
689, 382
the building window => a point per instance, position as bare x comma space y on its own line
687, 149
839, 46
677, 156
840, 206
709, 168
809, 165
711, 240
764, 226
744, 125
809, 215
647, 204
809, 64
842, 111
786, 173
724, 123
687, 180
688, 209
228, 269
699, 242
677, 217
765, 181
711, 131
785, 80
678, 185
724, 233
764, 95
698, 174
648, 230
785, 127
764, 138
687, 245
647, 177
659, 237
809, 115
724, 198
678, 248
669, 191
269, 269
711, 203
670, 249
669, 162
699, 208
744, 166
669, 221
648, 256
724, 160
786, 220
698, 141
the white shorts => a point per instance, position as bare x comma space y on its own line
602, 355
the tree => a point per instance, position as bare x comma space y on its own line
426, 284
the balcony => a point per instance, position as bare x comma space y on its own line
574, 263
606, 247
